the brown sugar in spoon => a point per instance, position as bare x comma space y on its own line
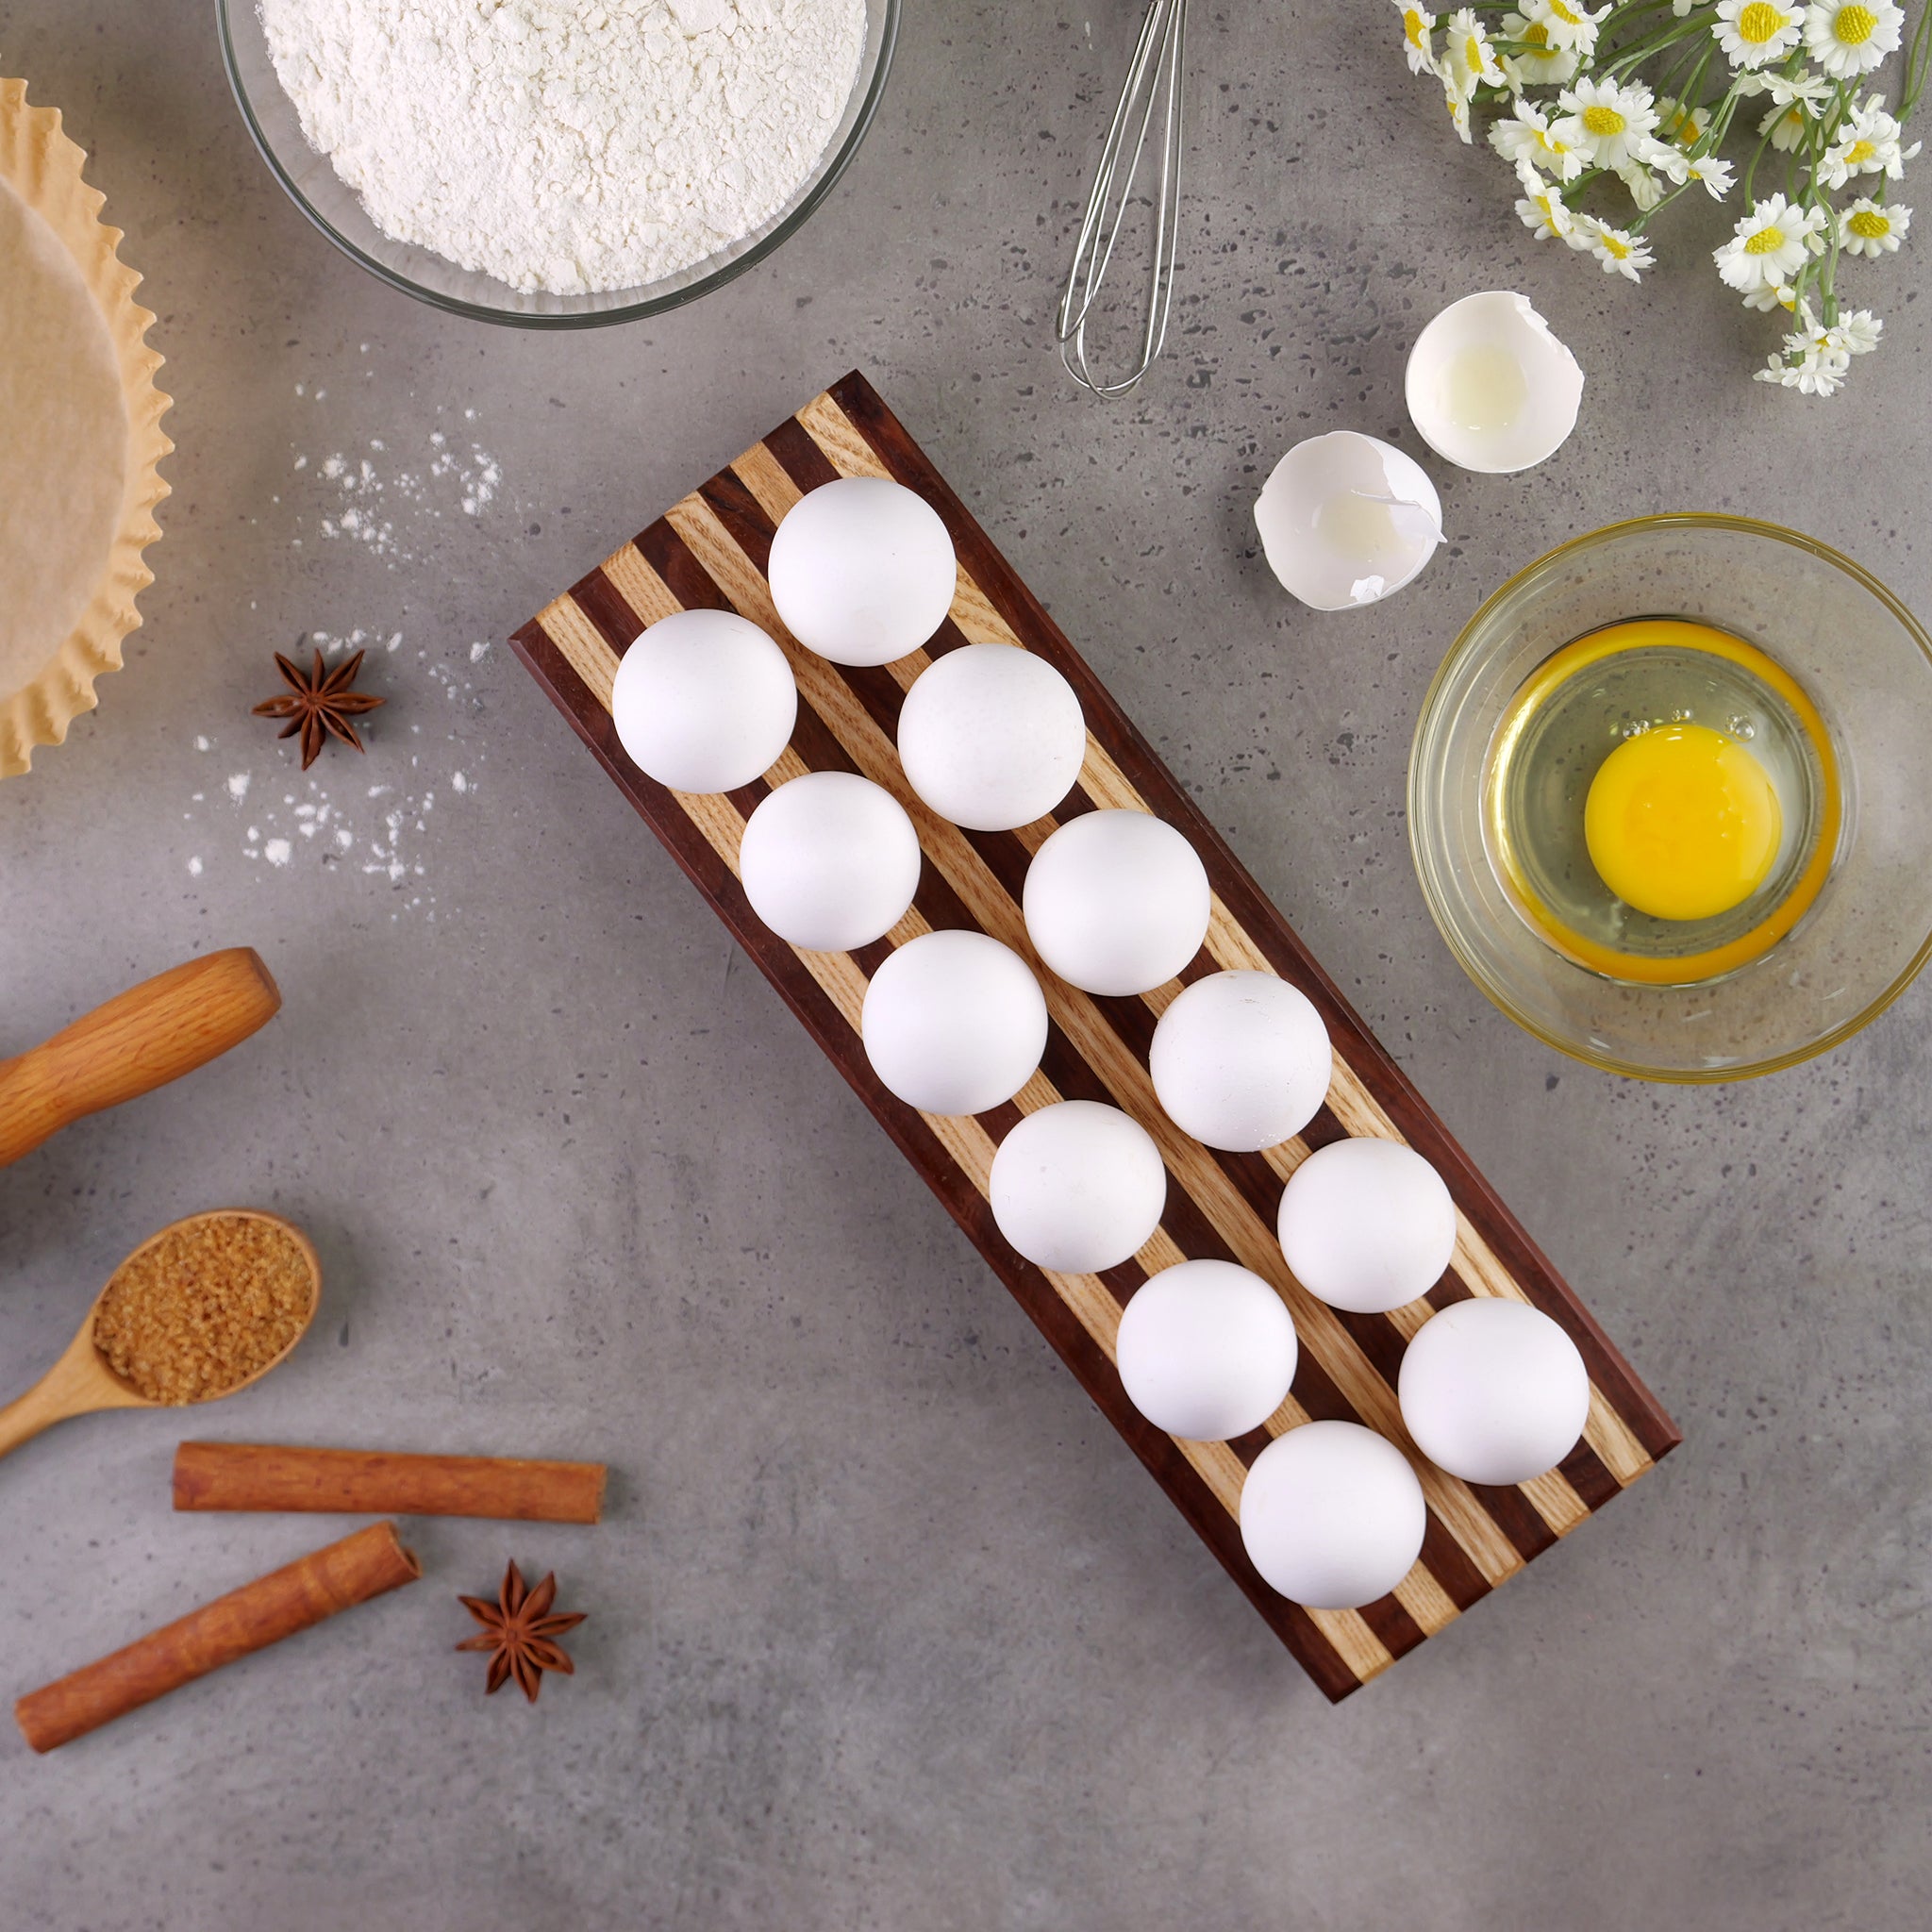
199, 1310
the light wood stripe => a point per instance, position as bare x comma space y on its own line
583, 646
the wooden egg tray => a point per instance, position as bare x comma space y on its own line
711, 551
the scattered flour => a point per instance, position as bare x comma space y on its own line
338, 821
564, 146
367, 500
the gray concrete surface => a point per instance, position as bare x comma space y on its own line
886, 1627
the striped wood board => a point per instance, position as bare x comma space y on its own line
711, 551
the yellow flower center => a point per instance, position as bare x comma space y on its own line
1564, 14
1473, 52
1766, 241
1859, 152
1613, 245
1759, 23
1870, 225
1536, 35
1603, 122
1854, 26
1412, 28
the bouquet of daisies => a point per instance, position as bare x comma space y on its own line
1609, 115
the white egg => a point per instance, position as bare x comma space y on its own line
1490, 387
1332, 1515
1348, 519
992, 737
1367, 1226
953, 1023
862, 571
1077, 1187
1240, 1060
829, 862
1205, 1351
1116, 902
1493, 1391
704, 701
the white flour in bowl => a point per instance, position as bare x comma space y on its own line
569, 145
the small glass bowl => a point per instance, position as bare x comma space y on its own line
1867, 665
321, 193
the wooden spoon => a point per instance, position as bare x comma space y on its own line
140, 1039
83, 1380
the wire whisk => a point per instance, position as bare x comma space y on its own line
1153, 82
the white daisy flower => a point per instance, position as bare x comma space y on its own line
1812, 89
1753, 32
1857, 333
1711, 174
1787, 125
1535, 62
1645, 189
1457, 95
1569, 23
1868, 143
1467, 52
1542, 209
1851, 39
1811, 374
1772, 296
1872, 227
1675, 122
1620, 252
1417, 37
1770, 245
1523, 135
1605, 122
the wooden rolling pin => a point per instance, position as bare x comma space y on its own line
140, 1039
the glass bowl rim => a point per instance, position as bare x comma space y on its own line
1453, 661
794, 220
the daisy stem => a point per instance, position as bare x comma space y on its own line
1917, 56
1665, 36
1751, 172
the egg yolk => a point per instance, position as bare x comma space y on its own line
1682, 823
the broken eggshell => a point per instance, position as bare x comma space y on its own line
1490, 387
1346, 519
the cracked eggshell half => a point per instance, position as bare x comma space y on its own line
1348, 519
1490, 387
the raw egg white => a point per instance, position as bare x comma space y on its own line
1116, 902
1077, 1187
704, 701
1332, 1515
1205, 1351
1240, 1060
992, 737
953, 1023
862, 571
1367, 1226
1490, 387
1493, 1391
1348, 519
829, 862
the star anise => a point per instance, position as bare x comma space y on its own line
520, 1633
318, 704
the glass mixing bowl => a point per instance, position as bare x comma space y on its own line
1866, 664
315, 188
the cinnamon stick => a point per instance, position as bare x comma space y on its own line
249, 1619
264, 1475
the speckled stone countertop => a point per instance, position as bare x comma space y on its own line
886, 1627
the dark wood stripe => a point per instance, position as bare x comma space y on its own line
799, 457
601, 601
1588, 1478
1400, 1632
1451, 1565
